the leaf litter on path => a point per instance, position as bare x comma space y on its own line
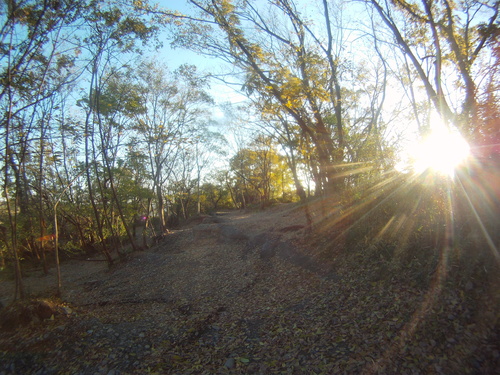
206, 306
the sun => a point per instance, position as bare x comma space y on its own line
442, 151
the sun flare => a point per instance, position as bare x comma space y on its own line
441, 151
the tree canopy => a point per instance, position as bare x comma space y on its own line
100, 141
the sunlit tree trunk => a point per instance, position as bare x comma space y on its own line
11, 206
89, 135
41, 219
459, 32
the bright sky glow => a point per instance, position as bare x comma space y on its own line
441, 151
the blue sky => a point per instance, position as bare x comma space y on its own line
176, 57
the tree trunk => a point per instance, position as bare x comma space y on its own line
146, 225
40, 201
89, 182
11, 211
160, 208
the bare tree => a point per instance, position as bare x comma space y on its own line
444, 43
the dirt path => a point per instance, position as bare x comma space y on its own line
232, 294
78, 274
169, 294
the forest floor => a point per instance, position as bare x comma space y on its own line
248, 293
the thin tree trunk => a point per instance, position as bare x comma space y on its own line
161, 208
56, 245
40, 200
146, 225
113, 190
12, 213
89, 179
